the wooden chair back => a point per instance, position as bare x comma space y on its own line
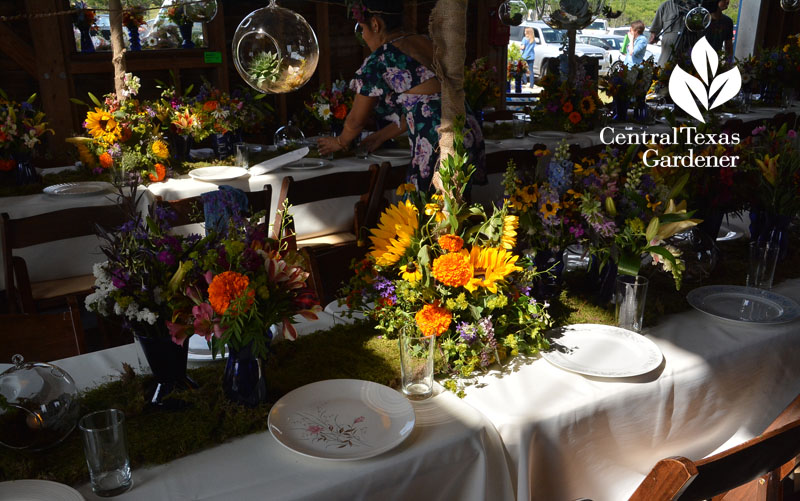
42, 337
190, 208
368, 185
43, 228
753, 470
525, 160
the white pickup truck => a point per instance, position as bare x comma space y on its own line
548, 46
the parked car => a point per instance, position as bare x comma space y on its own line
548, 46
597, 27
612, 45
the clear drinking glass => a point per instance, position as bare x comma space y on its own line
630, 297
416, 363
519, 125
763, 259
106, 452
242, 155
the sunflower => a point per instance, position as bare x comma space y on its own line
226, 288
411, 272
549, 209
102, 125
451, 243
160, 149
392, 237
432, 319
529, 194
509, 238
453, 269
587, 105
405, 188
490, 265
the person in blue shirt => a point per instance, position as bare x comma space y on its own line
528, 45
638, 45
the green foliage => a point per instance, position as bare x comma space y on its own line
265, 68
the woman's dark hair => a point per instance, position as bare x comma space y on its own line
391, 11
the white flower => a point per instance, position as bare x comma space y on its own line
158, 295
146, 316
324, 110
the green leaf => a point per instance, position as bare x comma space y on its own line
78, 101
652, 229
95, 100
629, 264
663, 252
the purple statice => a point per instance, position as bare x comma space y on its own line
576, 231
119, 278
605, 229
385, 288
166, 257
468, 332
487, 326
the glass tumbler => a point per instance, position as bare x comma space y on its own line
630, 297
242, 155
416, 363
106, 452
519, 125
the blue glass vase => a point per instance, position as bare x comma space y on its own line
222, 144
620, 106
26, 173
765, 227
87, 45
243, 381
518, 85
186, 34
167, 361
549, 286
133, 36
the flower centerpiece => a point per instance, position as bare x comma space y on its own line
125, 135
22, 127
235, 289
480, 85
177, 15
84, 19
330, 107
221, 116
131, 287
516, 70
132, 18
450, 269
568, 106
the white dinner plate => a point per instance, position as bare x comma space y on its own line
342, 419
728, 234
307, 164
744, 304
220, 173
396, 154
602, 351
548, 134
82, 189
37, 490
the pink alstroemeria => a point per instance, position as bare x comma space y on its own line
204, 324
178, 332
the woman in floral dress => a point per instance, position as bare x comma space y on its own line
396, 81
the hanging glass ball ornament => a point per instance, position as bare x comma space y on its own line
568, 14
40, 405
697, 19
275, 50
612, 9
790, 5
288, 138
512, 12
201, 12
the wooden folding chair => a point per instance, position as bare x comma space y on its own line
42, 337
190, 210
24, 295
752, 471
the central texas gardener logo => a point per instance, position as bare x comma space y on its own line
687, 90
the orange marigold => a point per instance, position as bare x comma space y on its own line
340, 112
574, 117
451, 243
227, 287
432, 319
160, 174
453, 269
210, 106
567, 108
106, 161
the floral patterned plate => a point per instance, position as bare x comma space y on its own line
78, 189
342, 419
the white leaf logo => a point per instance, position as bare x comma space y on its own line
686, 90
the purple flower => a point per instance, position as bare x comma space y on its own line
385, 288
525, 290
576, 231
758, 130
166, 257
468, 332
791, 134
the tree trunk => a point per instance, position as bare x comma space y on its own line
117, 45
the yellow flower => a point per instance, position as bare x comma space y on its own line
102, 125
509, 238
651, 204
435, 208
453, 269
769, 168
85, 156
666, 230
405, 188
392, 237
529, 194
587, 105
549, 209
489, 266
160, 149
411, 272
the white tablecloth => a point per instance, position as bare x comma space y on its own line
570, 436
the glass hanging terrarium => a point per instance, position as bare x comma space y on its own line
201, 12
568, 14
275, 50
288, 137
512, 12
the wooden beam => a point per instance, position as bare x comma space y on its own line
481, 30
17, 49
100, 62
51, 70
324, 40
215, 32
117, 46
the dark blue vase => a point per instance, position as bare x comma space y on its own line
602, 281
508, 86
87, 45
133, 36
167, 361
26, 173
620, 105
518, 85
186, 34
180, 146
765, 227
222, 144
243, 380
549, 286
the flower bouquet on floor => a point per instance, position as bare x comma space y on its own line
330, 107
238, 289
450, 269
131, 287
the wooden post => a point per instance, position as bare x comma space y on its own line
51, 71
117, 45
216, 41
324, 41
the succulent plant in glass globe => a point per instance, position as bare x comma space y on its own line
568, 14
697, 19
512, 12
275, 50
201, 12
38, 405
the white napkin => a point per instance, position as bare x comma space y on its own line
278, 162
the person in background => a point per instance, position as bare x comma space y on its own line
720, 32
399, 72
667, 26
638, 45
528, 47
